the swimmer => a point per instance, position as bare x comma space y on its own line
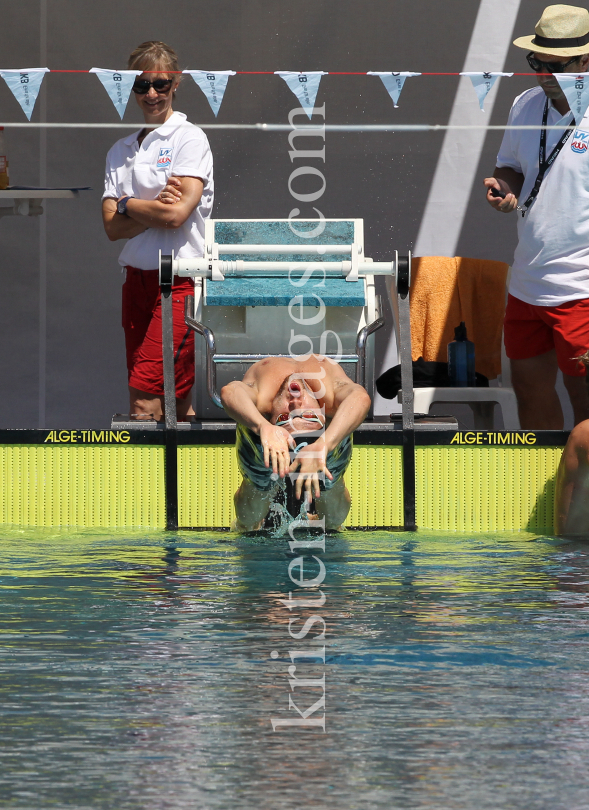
279, 399
572, 480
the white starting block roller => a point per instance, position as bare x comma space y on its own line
281, 288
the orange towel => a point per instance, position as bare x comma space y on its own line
446, 291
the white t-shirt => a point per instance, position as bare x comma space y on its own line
142, 172
551, 262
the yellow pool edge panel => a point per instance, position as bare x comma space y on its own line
85, 485
486, 489
458, 488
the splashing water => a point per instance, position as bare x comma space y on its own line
279, 520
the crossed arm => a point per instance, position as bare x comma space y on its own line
169, 210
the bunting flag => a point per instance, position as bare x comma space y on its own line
393, 82
303, 85
576, 90
213, 84
482, 83
25, 86
118, 84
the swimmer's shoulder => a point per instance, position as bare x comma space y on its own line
578, 441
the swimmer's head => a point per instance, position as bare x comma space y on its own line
295, 407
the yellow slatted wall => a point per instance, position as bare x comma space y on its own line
459, 488
207, 478
374, 479
485, 489
89, 486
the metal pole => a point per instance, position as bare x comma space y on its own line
171, 429
403, 283
42, 368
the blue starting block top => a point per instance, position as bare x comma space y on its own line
279, 292
273, 291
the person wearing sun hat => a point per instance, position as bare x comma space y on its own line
543, 174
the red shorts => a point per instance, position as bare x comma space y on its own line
142, 322
530, 330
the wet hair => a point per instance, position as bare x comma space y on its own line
153, 55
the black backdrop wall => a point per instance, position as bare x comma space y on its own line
62, 358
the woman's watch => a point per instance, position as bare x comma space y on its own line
122, 205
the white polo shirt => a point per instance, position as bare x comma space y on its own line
142, 172
551, 262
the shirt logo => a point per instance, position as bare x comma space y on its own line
165, 156
580, 142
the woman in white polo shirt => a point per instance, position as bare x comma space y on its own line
135, 207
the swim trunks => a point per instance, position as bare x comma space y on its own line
250, 459
530, 330
142, 322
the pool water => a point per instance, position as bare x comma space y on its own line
144, 670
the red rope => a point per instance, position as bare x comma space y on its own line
333, 73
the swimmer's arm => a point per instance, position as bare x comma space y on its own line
572, 484
156, 214
241, 403
118, 226
352, 403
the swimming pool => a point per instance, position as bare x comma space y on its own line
137, 672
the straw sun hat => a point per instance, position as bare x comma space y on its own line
561, 31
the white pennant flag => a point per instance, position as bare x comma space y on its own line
303, 85
393, 82
576, 90
25, 85
213, 84
482, 83
118, 84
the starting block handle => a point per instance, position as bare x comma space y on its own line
361, 341
209, 336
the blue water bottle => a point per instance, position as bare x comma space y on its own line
461, 359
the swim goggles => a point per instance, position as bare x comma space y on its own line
141, 86
308, 416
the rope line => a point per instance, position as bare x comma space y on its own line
288, 128
272, 73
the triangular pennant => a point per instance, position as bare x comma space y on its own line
482, 83
304, 86
576, 90
118, 84
25, 85
393, 82
213, 84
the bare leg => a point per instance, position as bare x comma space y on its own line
534, 383
152, 405
572, 484
334, 505
251, 506
577, 391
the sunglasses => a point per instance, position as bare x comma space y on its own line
538, 65
141, 86
308, 416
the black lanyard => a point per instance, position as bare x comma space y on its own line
543, 162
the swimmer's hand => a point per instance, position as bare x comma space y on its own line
311, 461
171, 193
275, 442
